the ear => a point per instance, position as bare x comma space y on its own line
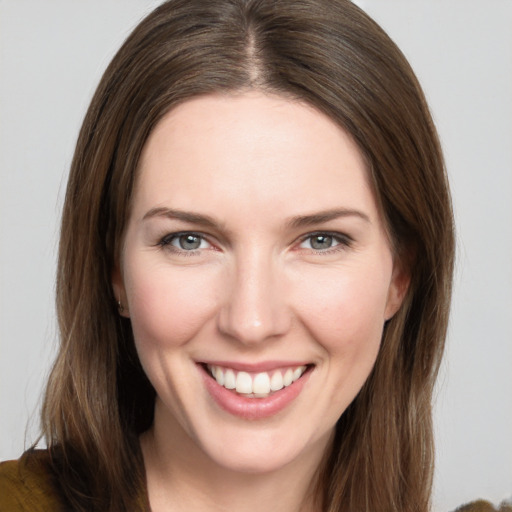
120, 292
400, 281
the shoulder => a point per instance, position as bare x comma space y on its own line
484, 506
27, 485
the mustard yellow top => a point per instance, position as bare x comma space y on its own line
482, 506
26, 485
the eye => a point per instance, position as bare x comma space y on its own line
186, 242
322, 242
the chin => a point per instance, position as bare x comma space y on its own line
263, 449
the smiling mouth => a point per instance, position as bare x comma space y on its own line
257, 384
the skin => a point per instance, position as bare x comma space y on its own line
256, 290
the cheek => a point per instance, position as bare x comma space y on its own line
345, 317
344, 310
169, 306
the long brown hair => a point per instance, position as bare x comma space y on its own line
331, 55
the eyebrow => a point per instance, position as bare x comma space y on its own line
294, 223
190, 217
325, 216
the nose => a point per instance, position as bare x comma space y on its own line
255, 306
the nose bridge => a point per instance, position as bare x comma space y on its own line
255, 308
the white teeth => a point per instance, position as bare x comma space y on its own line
243, 383
298, 372
229, 379
258, 385
288, 377
261, 384
276, 382
219, 376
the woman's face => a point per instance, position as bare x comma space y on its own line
254, 258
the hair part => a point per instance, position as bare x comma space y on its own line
328, 54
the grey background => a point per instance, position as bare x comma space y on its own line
52, 54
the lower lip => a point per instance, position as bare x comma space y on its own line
253, 408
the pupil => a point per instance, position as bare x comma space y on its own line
321, 242
189, 242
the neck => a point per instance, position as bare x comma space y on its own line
180, 476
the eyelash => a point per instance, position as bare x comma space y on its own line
342, 242
166, 242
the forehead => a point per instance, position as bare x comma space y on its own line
254, 150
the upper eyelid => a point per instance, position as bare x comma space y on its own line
167, 238
175, 234
184, 223
215, 239
344, 243
334, 234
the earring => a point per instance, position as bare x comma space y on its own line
120, 306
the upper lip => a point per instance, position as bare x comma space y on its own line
254, 367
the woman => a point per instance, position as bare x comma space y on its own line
254, 272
